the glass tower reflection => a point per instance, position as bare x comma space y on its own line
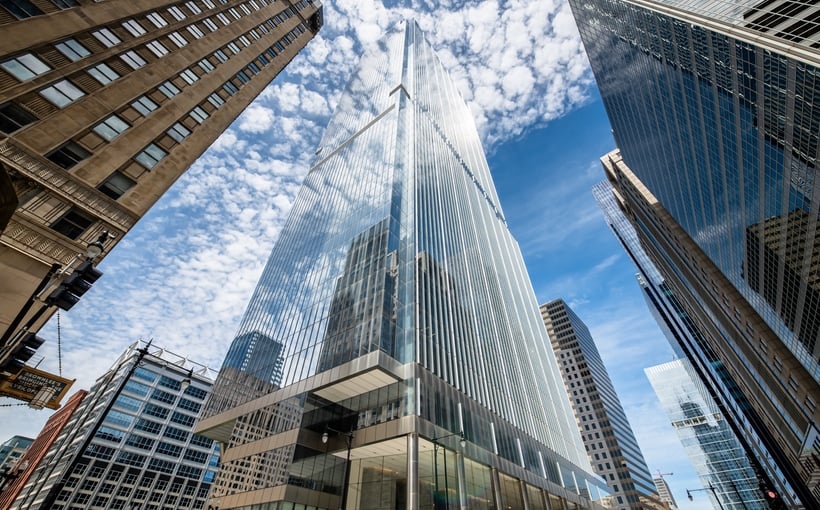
397, 294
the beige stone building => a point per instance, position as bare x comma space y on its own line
103, 105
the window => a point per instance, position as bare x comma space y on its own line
206, 65
199, 115
209, 4
195, 392
13, 117
163, 396
202, 441
145, 374
131, 459
221, 56
193, 7
65, 4
144, 105
224, 19
116, 185
157, 48
136, 388
189, 472
179, 132
25, 67
189, 405
176, 13
150, 156
72, 224
143, 443
148, 426
109, 434
234, 13
178, 39
103, 74
133, 59
233, 47
125, 402
157, 19
253, 68
216, 100
243, 77
189, 76
111, 127
169, 449
21, 8
161, 466
156, 411
108, 38
118, 418
183, 419
133, 27
209, 24
230, 88
68, 155
73, 50
169, 89
195, 31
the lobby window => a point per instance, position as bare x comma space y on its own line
72, 224
72, 49
68, 155
21, 9
111, 127
108, 38
13, 117
157, 48
150, 156
157, 19
25, 67
144, 105
133, 27
103, 74
62, 93
133, 59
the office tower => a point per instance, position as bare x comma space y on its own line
103, 105
715, 118
130, 444
416, 372
605, 430
38, 449
719, 459
665, 492
12, 449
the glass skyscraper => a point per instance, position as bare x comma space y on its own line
414, 370
712, 447
714, 108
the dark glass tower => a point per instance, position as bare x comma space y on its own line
416, 372
714, 107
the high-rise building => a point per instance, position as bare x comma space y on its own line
712, 447
713, 106
12, 449
415, 369
605, 430
103, 105
131, 442
664, 492
37, 450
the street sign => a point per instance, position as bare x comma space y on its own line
30, 383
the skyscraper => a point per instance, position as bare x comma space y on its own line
605, 430
12, 449
718, 457
130, 443
103, 105
714, 108
416, 372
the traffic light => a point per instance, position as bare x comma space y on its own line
73, 287
770, 496
23, 352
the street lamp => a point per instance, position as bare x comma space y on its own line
187, 381
96, 248
710, 488
349, 437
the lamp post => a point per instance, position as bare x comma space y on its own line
463, 442
349, 437
710, 488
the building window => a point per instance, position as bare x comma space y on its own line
111, 127
224, 19
193, 7
62, 93
199, 115
169, 89
133, 27
68, 155
179, 132
150, 156
209, 4
189, 76
157, 48
25, 67
210, 24
176, 13
216, 100
21, 9
178, 39
65, 4
206, 65
230, 88
13, 117
221, 56
133, 59
103, 74
72, 224
157, 19
73, 50
195, 31
108, 38
144, 105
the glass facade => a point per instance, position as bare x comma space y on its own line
395, 270
712, 447
717, 121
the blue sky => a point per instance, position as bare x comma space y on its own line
184, 274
